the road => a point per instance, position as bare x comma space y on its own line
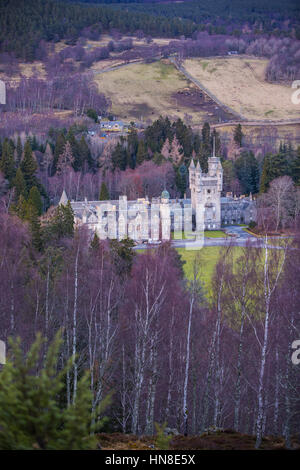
241, 238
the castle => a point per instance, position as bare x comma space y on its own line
143, 220
206, 191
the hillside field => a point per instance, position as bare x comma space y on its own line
239, 83
146, 91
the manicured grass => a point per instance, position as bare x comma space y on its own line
208, 234
209, 257
215, 234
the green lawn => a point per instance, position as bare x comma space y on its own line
209, 256
215, 234
207, 233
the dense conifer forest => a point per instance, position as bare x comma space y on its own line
23, 24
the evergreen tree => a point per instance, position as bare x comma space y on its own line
141, 152
61, 224
216, 141
238, 135
273, 167
119, 157
32, 217
133, 143
68, 219
247, 172
33, 409
206, 134
95, 243
85, 154
104, 194
122, 255
21, 208
181, 180
35, 200
19, 184
78, 158
59, 148
7, 164
296, 168
28, 166
185, 137
92, 113
19, 152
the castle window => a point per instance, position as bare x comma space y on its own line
208, 191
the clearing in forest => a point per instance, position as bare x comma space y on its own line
146, 91
239, 82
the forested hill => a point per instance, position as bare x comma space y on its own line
226, 15
24, 23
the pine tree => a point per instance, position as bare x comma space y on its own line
19, 184
59, 148
95, 243
68, 219
216, 141
85, 154
104, 194
21, 207
19, 152
119, 157
32, 217
238, 135
141, 152
296, 168
273, 167
77, 157
206, 134
28, 166
33, 410
35, 200
246, 169
7, 165
61, 224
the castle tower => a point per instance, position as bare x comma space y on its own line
206, 191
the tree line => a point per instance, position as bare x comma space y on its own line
165, 348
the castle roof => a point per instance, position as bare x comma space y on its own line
192, 164
198, 167
63, 199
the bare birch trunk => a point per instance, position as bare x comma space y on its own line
187, 366
74, 350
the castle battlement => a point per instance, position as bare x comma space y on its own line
206, 191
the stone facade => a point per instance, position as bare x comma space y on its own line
206, 191
144, 220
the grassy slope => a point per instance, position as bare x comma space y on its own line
239, 83
143, 90
209, 257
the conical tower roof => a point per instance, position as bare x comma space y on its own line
63, 199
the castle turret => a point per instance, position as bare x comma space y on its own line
206, 191
63, 199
